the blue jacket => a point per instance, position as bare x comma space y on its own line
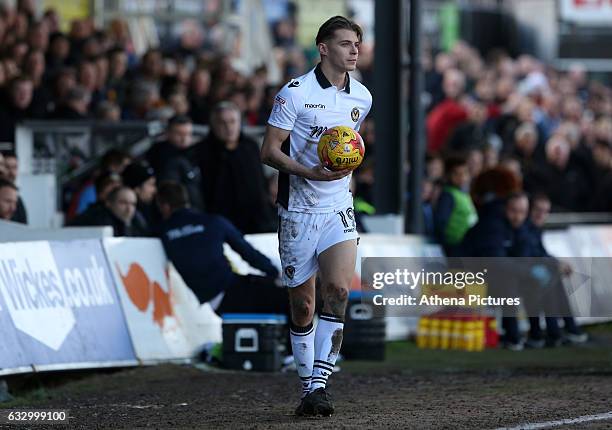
529, 241
492, 236
194, 242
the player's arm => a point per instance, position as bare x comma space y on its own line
272, 155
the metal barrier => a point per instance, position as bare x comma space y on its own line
51, 146
564, 220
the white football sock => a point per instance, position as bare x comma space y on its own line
328, 339
302, 343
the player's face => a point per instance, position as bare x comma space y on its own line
342, 50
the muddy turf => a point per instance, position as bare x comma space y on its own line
411, 389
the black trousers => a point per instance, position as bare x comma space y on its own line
255, 294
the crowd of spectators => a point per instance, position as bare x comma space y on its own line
509, 140
89, 73
552, 129
93, 73
498, 126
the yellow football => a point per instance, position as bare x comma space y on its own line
341, 148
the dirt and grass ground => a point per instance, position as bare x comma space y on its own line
413, 388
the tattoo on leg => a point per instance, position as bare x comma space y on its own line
299, 308
336, 306
337, 300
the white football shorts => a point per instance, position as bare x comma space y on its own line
303, 236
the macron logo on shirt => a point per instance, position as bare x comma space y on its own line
314, 106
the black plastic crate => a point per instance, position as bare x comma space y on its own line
254, 341
364, 330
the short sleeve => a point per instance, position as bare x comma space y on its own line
284, 111
365, 114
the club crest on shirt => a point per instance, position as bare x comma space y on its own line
355, 114
290, 271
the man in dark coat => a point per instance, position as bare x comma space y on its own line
560, 178
118, 211
496, 234
531, 245
175, 159
16, 106
75, 106
232, 175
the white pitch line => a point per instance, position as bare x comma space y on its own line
547, 424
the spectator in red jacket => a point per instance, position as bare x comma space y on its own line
445, 117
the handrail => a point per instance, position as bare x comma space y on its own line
154, 130
61, 125
558, 220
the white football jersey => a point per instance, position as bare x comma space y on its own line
307, 106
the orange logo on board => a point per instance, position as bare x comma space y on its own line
142, 292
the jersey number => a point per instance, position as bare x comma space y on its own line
347, 216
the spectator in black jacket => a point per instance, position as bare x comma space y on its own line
199, 100
16, 106
116, 207
175, 159
494, 235
34, 67
75, 106
194, 242
559, 178
526, 148
232, 173
531, 245
124, 218
102, 186
602, 172
489, 236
